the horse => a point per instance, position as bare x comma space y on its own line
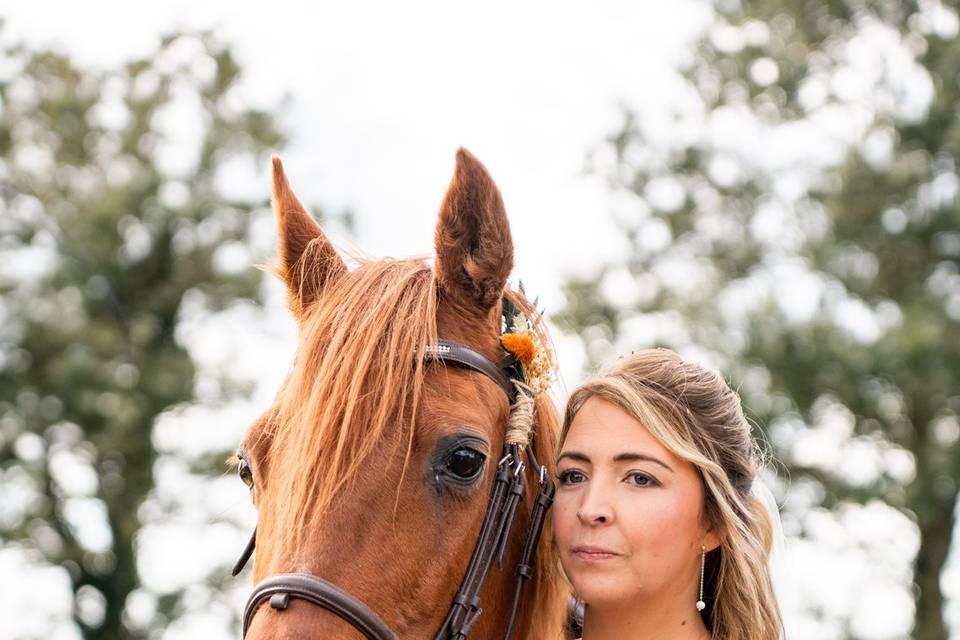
385, 487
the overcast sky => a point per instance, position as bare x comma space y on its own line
384, 93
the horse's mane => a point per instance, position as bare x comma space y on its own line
351, 344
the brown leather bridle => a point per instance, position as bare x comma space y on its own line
505, 496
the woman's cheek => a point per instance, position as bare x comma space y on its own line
658, 523
561, 521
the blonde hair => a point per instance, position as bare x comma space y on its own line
692, 412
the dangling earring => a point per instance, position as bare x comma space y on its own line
701, 605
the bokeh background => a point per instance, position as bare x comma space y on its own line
768, 187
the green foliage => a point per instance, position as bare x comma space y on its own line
111, 215
824, 281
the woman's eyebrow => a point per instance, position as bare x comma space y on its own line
620, 457
633, 457
574, 455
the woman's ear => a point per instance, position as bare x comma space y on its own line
712, 539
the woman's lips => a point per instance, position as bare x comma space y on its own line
589, 552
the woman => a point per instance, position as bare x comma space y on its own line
657, 523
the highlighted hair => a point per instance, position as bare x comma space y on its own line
692, 412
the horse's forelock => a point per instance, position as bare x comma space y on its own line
362, 335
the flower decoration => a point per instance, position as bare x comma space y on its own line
521, 346
526, 347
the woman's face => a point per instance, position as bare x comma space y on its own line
628, 513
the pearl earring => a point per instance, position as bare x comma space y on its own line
701, 605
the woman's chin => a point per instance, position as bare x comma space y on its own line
604, 591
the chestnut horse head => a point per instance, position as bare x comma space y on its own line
373, 469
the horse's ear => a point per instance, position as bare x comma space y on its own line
473, 243
308, 260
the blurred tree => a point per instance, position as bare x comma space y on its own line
112, 213
801, 225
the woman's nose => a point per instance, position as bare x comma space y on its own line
596, 507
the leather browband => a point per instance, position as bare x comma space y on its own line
456, 353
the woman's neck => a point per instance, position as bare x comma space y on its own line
670, 619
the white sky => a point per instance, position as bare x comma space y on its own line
382, 95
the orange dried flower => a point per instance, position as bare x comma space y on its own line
521, 346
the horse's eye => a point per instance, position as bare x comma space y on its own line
464, 463
243, 470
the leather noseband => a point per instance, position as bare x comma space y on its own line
314, 589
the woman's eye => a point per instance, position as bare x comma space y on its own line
642, 480
464, 463
245, 473
571, 477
